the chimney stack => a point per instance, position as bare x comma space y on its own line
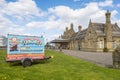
66, 28
79, 28
71, 25
107, 14
108, 27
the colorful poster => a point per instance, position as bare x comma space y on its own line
20, 47
25, 44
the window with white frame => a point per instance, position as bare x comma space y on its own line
113, 44
101, 44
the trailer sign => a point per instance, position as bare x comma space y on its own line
19, 46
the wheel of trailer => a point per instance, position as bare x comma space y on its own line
26, 62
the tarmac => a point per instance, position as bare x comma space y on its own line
99, 58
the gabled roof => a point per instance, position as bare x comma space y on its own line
115, 27
59, 41
99, 28
81, 35
116, 30
73, 36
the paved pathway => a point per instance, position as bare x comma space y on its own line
102, 59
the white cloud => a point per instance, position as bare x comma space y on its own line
118, 5
77, 0
106, 3
78, 16
55, 36
21, 9
2, 3
6, 27
114, 13
50, 24
99, 16
5, 24
114, 19
12, 13
118, 22
52, 17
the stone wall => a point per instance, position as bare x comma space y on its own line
116, 57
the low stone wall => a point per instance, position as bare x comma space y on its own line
116, 58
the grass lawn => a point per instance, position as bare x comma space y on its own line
61, 67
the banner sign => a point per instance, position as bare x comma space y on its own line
25, 45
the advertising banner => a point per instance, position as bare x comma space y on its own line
25, 46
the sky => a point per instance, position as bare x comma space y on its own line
50, 17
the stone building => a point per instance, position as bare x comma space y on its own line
97, 37
64, 39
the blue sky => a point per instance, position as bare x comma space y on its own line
51, 17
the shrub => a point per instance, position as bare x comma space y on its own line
105, 50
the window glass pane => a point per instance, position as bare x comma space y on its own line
101, 44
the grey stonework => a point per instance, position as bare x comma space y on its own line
116, 58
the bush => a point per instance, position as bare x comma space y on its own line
105, 50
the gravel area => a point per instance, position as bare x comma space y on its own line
101, 59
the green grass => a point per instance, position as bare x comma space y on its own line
61, 67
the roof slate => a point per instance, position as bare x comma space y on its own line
99, 28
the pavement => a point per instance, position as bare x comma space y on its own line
99, 58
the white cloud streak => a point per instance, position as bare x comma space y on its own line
106, 3
118, 5
22, 8
77, 0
